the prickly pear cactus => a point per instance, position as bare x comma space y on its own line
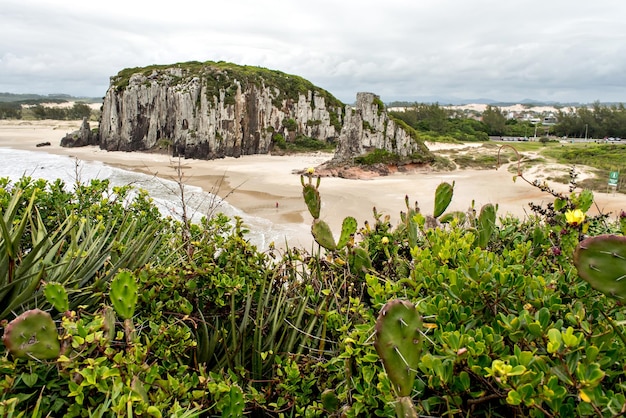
398, 343
360, 261
460, 217
348, 228
323, 235
443, 197
486, 225
57, 296
405, 408
601, 261
235, 403
123, 294
109, 323
32, 335
330, 401
312, 199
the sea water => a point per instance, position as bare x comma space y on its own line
165, 193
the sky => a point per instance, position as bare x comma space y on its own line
402, 50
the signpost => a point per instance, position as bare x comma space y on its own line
613, 179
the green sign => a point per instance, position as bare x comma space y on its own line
613, 177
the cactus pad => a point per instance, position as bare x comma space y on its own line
486, 225
32, 335
443, 197
461, 217
234, 403
348, 228
398, 343
360, 261
312, 200
323, 235
108, 325
123, 294
601, 261
57, 296
330, 400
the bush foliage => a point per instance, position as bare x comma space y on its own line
218, 327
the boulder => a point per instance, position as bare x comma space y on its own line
80, 138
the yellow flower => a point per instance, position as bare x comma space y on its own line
385, 240
310, 170
575, 217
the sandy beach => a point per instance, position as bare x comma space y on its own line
266, 186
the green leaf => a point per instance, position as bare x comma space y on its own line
513, 398
29, 379
560, 373
559, 204
570, 339
554, 340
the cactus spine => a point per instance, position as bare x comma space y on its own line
32, 334
601, 261
398, 343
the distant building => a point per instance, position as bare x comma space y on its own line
549, 120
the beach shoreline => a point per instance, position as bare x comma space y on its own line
265, 185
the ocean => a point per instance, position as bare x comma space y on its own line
18, 163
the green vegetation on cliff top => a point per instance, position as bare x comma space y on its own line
221, 76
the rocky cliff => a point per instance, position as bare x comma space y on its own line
367, 126
211, 110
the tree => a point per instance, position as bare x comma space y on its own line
39, 112
79, 111
495, 120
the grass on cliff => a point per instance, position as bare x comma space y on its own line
220, 76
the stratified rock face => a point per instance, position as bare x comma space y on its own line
211, 110
367, 126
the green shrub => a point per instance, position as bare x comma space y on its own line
378, 156
290, 125
509, 329
279, 141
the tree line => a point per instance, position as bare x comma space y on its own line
439, 123
598, 121
16, 110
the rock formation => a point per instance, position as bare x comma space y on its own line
212, 110
80, 138
367, 126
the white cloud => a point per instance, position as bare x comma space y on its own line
570, 50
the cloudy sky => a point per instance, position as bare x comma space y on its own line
415, 50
